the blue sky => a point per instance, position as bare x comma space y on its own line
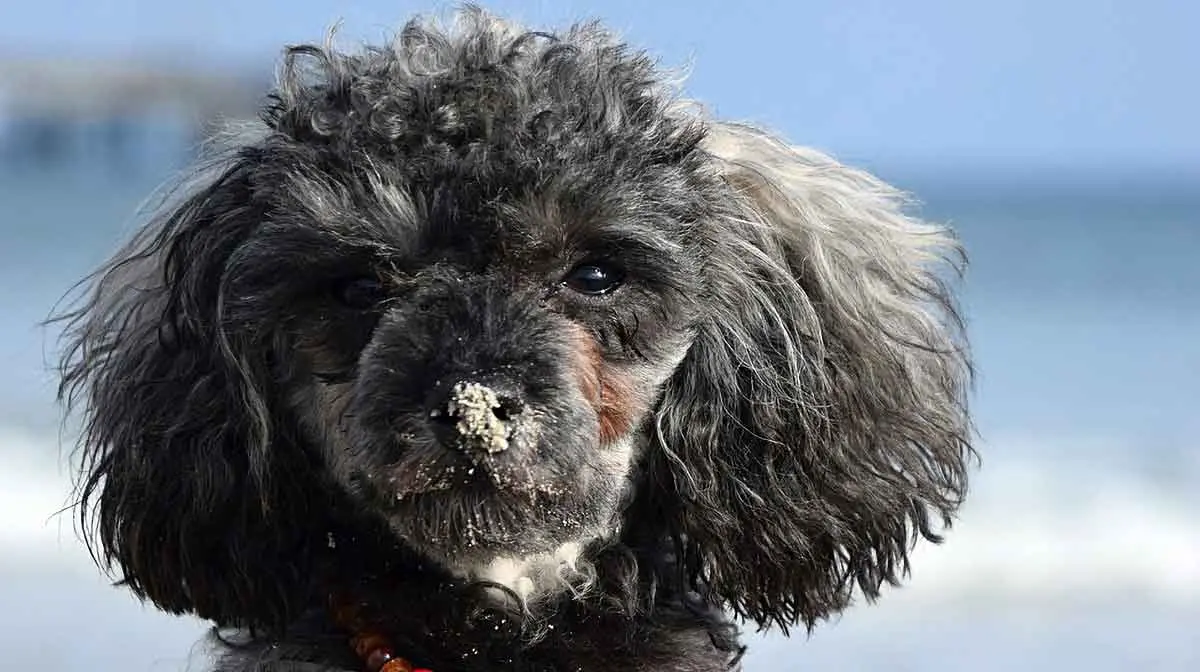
1086, 84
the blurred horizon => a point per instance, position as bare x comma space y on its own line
1073, 86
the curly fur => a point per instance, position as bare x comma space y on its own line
766, 413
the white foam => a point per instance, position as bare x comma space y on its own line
1037, 530
1080, 528
37, 531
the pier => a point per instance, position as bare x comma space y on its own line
53, 108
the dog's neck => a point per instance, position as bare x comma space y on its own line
397, 611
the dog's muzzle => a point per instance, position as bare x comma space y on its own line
467, 381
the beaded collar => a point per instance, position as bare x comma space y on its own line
371, 646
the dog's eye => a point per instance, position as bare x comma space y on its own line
360, 293
593, 279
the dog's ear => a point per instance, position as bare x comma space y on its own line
180, 490
818, 426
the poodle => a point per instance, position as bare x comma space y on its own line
485, 349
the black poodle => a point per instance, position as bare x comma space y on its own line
485, 350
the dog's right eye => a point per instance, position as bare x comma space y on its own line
361, 293
594, 279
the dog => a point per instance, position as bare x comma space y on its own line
485, 349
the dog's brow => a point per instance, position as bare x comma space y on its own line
625, 236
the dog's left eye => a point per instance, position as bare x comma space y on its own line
593, 279
360, 293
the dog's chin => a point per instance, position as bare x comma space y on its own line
516, 527
482, 533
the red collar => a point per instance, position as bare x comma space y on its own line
372, 647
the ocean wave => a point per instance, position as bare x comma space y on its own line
1036, 531
37, 525
1091, 525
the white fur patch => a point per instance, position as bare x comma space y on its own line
540, 574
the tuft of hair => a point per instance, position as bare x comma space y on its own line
819, 425
185, 489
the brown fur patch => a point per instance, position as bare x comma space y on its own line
609, 391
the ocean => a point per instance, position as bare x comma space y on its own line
1079, 548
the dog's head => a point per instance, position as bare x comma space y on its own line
503, 292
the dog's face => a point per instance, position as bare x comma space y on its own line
477, 356
488, 394
503, 295
476, 317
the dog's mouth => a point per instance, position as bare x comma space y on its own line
453, 472
460, 510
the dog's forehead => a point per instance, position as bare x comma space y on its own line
477, 217
524, 225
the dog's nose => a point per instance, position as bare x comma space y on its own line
480, 413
